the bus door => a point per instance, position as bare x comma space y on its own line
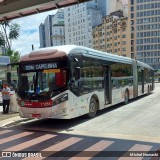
152, 75
142, 74
107, 85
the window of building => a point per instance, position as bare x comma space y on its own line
132, 35
132, 55
123, 29
132, 2
124, 42
124, 49
115, 44
132, 8
132, 15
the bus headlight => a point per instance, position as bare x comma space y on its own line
60, 99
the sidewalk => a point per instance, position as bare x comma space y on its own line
10, 118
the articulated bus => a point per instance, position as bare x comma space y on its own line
68, 81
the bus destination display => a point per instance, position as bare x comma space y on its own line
31, 67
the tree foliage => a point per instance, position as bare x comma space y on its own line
14, 55
2, 39
8, 32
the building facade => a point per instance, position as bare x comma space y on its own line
48, 30
52, 32
113, 35
2, 50
42, 36
79, 20
145, 31
58, 28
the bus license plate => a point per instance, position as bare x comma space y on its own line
36, 115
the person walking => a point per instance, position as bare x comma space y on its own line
6, 98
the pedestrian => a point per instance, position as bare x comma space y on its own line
6, 98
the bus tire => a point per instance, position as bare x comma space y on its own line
126, 97
92, 108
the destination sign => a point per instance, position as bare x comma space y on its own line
31, 67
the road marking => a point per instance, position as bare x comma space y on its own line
17, 136
137, 147
30, 143
96, 148
5, 131
57, 147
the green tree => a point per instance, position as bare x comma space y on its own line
14, 55
2, 39
8, 32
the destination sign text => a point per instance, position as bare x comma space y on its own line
40, 66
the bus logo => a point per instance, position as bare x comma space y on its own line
22, 103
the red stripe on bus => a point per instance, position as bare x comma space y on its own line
44, 104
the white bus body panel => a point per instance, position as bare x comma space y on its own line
73, 107
118, 94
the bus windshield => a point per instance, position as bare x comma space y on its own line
41, 84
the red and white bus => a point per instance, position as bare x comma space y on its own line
69, 81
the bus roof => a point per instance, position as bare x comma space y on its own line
51, 52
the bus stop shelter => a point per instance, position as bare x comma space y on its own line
4, 60
10, 9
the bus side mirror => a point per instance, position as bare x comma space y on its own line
77, 73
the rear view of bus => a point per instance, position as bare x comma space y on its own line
42, 77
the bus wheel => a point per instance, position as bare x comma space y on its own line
126, 97
92, 108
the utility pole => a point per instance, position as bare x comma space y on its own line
32, 47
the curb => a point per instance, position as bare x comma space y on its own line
12, 121
7, 123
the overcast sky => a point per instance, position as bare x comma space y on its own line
29, 33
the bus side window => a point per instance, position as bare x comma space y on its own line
114, 83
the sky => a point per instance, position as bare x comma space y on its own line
29, 32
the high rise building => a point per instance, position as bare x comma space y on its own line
52, 32
48, 30
81, 18
145, 31
113, 35
110, 6
58, 28
42, 36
